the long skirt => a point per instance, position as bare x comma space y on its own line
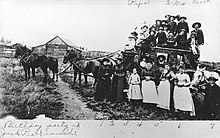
134, 92
183, 100
164, 95
103, 89
118, 87
149, 92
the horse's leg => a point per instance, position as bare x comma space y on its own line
28, 72
86, 77
94, 83
45, 74
25, 71
74, 79
80, 75
33, 72
57, 77
53, 76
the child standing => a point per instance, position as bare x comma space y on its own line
134, 86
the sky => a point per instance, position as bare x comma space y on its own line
103, 24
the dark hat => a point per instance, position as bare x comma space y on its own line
178, 17
196, 23
163, 22
134, 33
182, 18
119, 58
144, 26
105, 59
181, 67
161, 57
173, 17
167, 16
212, 78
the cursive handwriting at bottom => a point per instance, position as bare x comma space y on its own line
138, 3
11, 128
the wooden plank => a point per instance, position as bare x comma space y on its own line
171, 50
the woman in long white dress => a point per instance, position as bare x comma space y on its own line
182, 97
148, 85
164, 88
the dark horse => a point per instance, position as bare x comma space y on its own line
32, 61
81, 65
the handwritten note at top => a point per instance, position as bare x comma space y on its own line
142, 3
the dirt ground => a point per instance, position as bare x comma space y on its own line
28, 99
74, 108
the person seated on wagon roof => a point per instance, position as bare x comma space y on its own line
170, 40
183, 25
181, 39
161, 38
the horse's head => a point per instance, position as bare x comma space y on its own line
21, 50
70, 55
198, 76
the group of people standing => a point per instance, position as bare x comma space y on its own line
172, 32
120, 85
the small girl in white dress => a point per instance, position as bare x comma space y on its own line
134, 86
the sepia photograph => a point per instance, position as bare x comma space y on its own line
108, 60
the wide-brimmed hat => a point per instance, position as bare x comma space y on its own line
134, 33
183, 17
164, 22
178, 17
167, 16
174, 17
181, 66
199, 24
158, 20
105, 60
144, 26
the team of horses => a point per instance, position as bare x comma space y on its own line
32, 61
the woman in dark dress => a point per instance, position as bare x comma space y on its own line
103, 87
182, 41
119, 81
212, 99
149, 41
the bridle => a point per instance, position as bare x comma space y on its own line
201, 78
